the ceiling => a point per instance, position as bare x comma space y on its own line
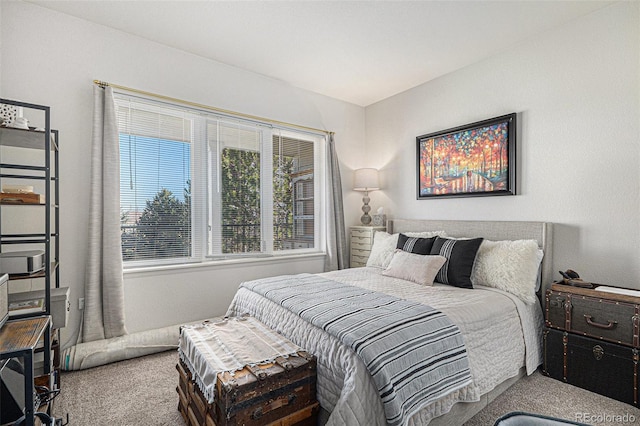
357, 51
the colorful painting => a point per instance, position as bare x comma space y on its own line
472, 160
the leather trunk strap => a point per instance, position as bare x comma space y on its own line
260, 373
567, 313
565, 350
636, 326
636, 357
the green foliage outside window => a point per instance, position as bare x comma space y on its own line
240, 175
163, 229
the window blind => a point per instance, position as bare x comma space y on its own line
293, 193
155, 180
236, 167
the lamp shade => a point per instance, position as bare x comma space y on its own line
365, 180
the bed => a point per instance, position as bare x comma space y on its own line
502, 333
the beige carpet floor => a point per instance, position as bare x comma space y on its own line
135, 392
141, 392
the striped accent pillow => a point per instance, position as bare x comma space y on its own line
415, 245
460, 254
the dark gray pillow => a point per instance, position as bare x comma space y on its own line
460, 256
415, 245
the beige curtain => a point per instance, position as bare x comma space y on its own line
103, 288
337, 255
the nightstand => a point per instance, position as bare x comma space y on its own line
361, 238
591, 340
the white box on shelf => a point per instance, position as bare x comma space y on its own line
21, 262
59, 303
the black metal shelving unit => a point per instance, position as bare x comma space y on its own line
42, 146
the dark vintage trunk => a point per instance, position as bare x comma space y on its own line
282, 393
600, 315
605, 368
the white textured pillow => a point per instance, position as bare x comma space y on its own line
384, 244
510, 266
540, 256
425, 234
418, 268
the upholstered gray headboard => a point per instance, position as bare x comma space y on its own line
542, 232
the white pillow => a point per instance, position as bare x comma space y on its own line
425, 234
540, 256
511, 266
384, 244
418, 268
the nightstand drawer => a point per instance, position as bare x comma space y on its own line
355, 245
358, 242
366, 241
360, 253
362, 260
361, 233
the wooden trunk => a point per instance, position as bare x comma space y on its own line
184, 378
281, 393
605, 368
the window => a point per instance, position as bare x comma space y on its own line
155, 178
199, 186
293, 193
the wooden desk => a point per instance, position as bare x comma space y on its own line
18, 339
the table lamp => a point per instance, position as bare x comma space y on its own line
366, 180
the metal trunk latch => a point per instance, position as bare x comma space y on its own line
257, 413
598, 352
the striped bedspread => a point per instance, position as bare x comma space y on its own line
413, 352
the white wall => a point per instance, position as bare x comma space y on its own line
50, 58
0, 44
576, 90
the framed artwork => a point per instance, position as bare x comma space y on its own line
476, 159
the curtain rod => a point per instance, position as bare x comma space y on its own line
210, 108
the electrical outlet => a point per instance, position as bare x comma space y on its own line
81, 303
